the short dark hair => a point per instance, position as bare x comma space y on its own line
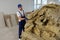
19, 5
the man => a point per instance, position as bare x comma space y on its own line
21, 19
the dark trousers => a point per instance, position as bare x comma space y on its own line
21, 27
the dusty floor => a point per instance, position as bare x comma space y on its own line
10, 33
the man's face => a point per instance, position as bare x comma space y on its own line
20, 8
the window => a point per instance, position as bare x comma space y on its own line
59, 0
44, 2
39, 3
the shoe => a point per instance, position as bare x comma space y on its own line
19, 39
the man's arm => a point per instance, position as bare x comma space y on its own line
28, 12
21, 18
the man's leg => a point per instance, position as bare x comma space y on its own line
20, 29
24, 25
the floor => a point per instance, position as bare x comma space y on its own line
9, 33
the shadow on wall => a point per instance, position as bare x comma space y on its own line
10, 20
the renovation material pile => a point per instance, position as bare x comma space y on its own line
43, 24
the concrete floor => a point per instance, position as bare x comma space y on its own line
9, 33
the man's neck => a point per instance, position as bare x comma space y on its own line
20, 10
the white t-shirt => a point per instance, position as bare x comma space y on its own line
19, 13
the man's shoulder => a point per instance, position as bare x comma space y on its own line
17, 12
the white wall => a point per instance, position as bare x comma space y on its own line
27, 4
56, 1
10, 6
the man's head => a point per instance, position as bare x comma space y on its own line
20, 7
